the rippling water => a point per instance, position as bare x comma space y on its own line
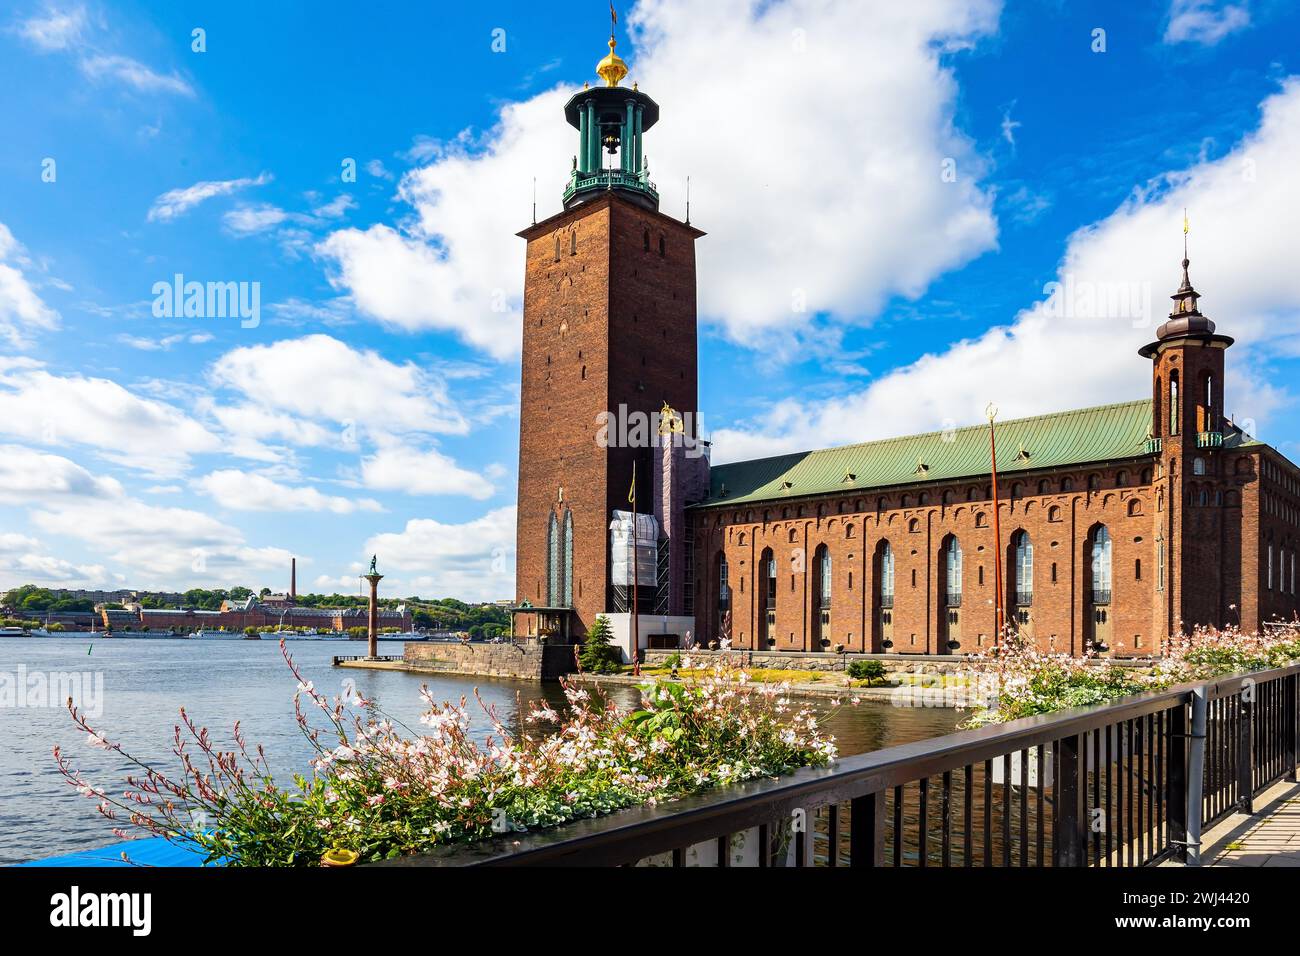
145, 682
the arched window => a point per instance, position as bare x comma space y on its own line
1198, 466
661, 247
1067, 484
557, 247
645, 240
724, 596
1023, 568
822, 594
1134, 507
1044, 487
552, 560
981, 520
1173, 403
952, 571
1101, 564
767, 568
1209, 390
1094, 482
567, 587
1121, 479
886, 582
573, 243
914, 525
1054, 513
1270, 565
1159, 409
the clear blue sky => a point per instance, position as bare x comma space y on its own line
374, 406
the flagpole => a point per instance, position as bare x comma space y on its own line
998, 594
636, 581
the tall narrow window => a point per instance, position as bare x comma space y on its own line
552, 561
1173, 403
1270, 565
886, 575
567, 587
952, 570
1101, 565
767, 564
1024, 569
822, 570
1160, 564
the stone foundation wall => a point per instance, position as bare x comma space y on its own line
901, 663
525, 661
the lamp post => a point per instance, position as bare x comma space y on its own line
992, 412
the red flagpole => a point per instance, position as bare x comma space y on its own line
998, 595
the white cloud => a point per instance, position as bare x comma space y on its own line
247, 491
1051, 357
28, 477
23, 561
21, 308
73, 410
161, 547
247, 220
177, 202
474, 561
421, 472
54, 29
335, 207
319, 377
131, 72
800, 203
1205, 21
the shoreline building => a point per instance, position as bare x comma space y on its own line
1120, 525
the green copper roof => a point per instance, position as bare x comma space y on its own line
1105, 433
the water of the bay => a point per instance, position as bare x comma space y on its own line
146, 681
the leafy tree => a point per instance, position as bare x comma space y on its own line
869, 671
598, 654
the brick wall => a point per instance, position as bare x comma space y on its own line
609, 323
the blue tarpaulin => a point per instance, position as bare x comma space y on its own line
151, 851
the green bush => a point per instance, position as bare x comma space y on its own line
598, 655
869, 671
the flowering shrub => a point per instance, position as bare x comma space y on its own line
1028, 682
379, 794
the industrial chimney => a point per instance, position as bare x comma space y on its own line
293, 581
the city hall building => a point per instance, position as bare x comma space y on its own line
1117, 526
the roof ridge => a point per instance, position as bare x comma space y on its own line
964, 428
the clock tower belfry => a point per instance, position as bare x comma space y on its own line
609, 338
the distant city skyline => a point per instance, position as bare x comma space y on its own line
954, 203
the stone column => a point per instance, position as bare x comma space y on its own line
372, 649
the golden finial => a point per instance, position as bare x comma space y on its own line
670, 423
612, 69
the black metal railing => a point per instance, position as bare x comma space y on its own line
1122, 784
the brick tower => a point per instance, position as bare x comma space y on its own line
609, 337
1198, 551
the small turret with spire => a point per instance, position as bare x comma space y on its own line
1186, 319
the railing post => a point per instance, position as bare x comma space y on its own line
867, 830
1176, 789
1070, 823
1289, 723
1245, 751
1196, 775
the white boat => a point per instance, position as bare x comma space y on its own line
204, 635
13, 632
